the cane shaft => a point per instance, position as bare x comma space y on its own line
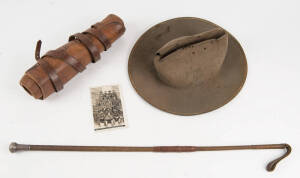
21, 147
89, 148
242, 147
14, 147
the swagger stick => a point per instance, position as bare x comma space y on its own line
14, 147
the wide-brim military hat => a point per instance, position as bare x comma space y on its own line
187, 66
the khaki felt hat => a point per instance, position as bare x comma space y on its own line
187, 66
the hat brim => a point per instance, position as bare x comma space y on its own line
184, 101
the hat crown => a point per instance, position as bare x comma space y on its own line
191, 60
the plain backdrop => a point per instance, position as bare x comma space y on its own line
265, 111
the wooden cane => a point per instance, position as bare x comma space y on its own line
14, 147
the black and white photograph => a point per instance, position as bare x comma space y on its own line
107, 107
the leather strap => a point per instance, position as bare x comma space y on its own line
100, 36
48, 69
65, 57
55, 80
87, 42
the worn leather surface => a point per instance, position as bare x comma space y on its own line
64, 56
48, 69
59, 66
99, 35
190, 98
87, 42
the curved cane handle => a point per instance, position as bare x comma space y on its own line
272, 165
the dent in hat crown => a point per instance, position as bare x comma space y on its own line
191, 60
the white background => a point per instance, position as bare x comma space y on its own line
265, 111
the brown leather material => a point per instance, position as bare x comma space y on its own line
59, 66
99, 35
38, 50
37, 83
30, 83
64, 56
94, 30
93, 50
118, 26
187, 66
56, 82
